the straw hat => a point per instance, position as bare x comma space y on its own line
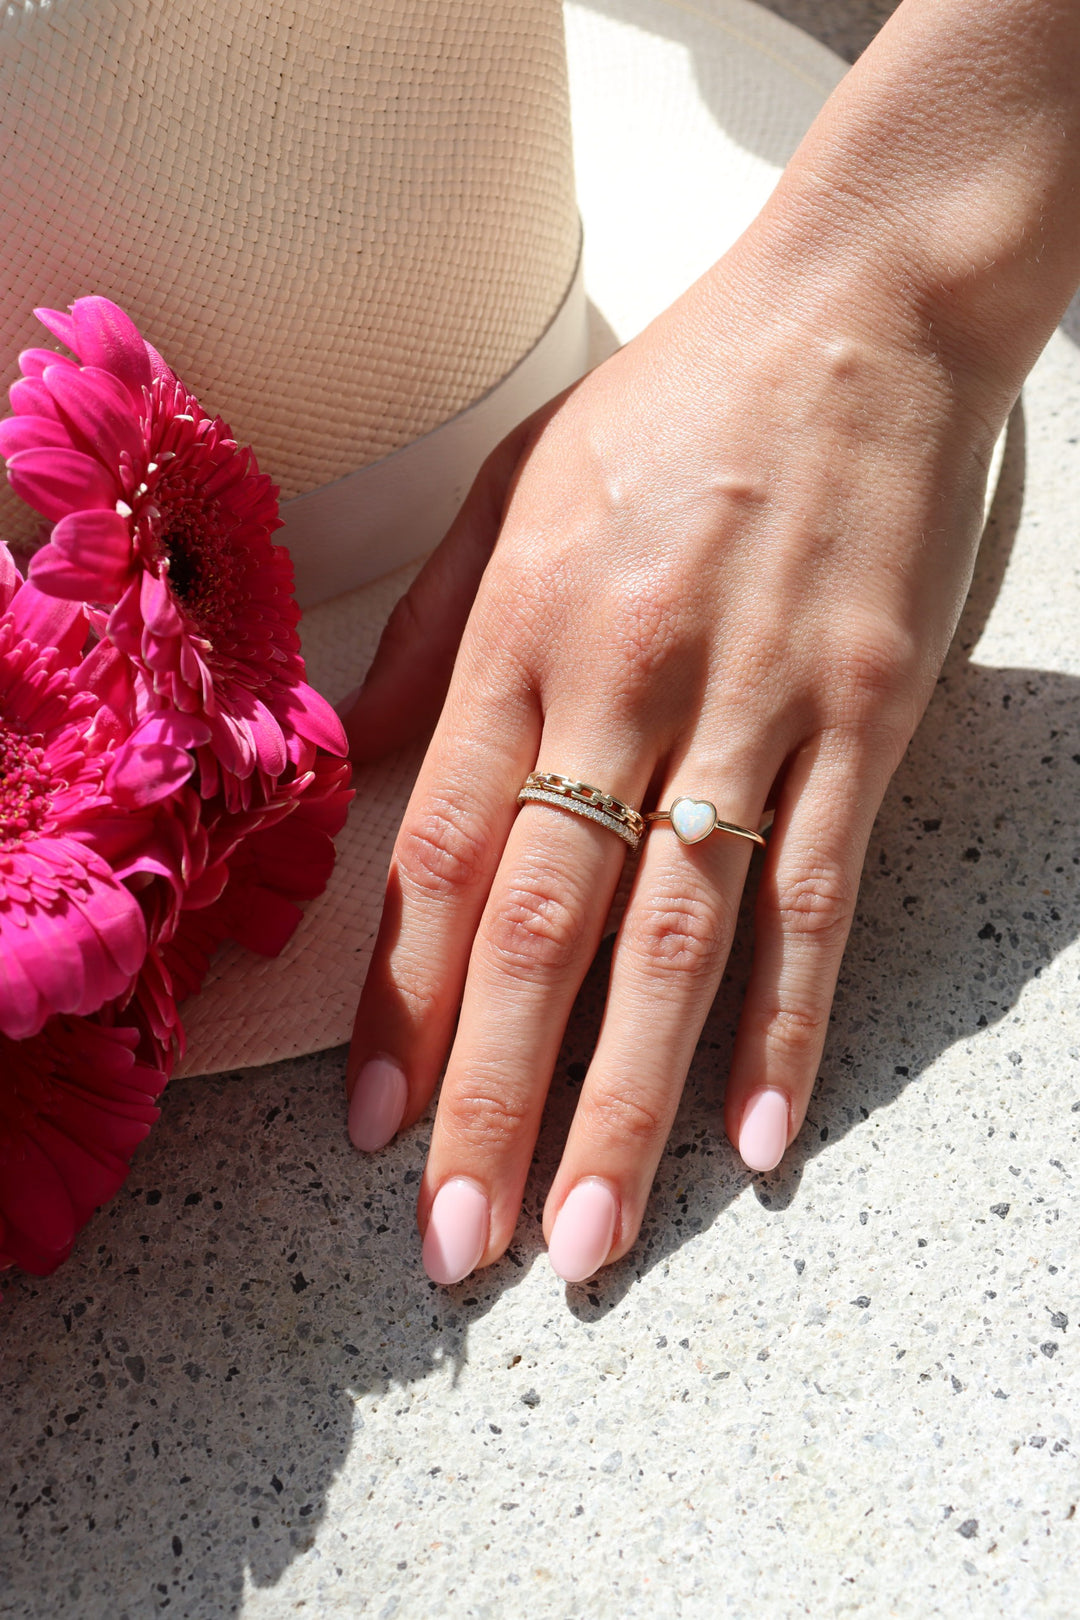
354, 232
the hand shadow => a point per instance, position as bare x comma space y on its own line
180, 1395
969, 890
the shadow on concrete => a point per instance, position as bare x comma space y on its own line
178, 1398
969, 891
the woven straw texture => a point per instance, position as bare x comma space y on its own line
341, 223
252, 1008
682, 117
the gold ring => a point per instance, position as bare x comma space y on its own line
548, 787
694, 819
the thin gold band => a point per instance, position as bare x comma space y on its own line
691, 822
548, 787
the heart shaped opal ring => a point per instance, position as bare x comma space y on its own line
694, 819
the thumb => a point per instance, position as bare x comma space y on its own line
406, 684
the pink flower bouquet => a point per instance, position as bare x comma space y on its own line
168, 779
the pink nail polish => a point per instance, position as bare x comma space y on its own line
377, 1104
763, 1133
457, 1231
583, 1231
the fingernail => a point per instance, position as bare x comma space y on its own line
342, 707
764, 1130
583, 1230
457, 1232
377, 1104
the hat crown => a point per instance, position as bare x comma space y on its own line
341, 223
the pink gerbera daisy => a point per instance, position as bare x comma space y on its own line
165, 523
248, 873
75, 1101
71, 767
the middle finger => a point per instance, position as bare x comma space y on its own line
539, 932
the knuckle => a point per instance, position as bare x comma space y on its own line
536, 927
617, 1116
817, 904
442, 852
418, 992
488, 1118
795, 1031
675, 932
639, 640
876, 673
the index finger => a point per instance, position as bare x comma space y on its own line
449, 845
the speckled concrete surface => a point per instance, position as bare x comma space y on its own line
848, 1387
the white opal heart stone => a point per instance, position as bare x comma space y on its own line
693, 819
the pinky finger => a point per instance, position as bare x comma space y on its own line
805, 905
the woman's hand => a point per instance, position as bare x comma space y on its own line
729, 563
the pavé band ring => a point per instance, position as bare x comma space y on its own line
694, 819
548, 787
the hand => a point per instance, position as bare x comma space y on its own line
729, 564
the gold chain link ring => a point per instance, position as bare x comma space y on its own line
548, 787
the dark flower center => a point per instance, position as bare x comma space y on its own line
25, 781
205, 571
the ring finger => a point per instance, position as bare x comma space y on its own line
669, 959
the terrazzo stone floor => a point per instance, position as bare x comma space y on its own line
847, 1387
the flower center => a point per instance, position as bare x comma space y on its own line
204, 569
25, 783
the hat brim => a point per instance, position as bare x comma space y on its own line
683, 118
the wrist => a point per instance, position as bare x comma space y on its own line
938, 193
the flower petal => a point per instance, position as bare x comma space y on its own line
39, 617
59, 324
52, 959
57, 577
32, 362
106, 337
56, 482
267, 737
159, 611
120, 936
96, 540
22, 1012
107, 672
10, 578
34, 1200
307, 712
32, 433
155, 761
99, 408
30, 397
89, 1179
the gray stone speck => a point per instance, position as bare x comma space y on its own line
531, 1398
612, 1463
